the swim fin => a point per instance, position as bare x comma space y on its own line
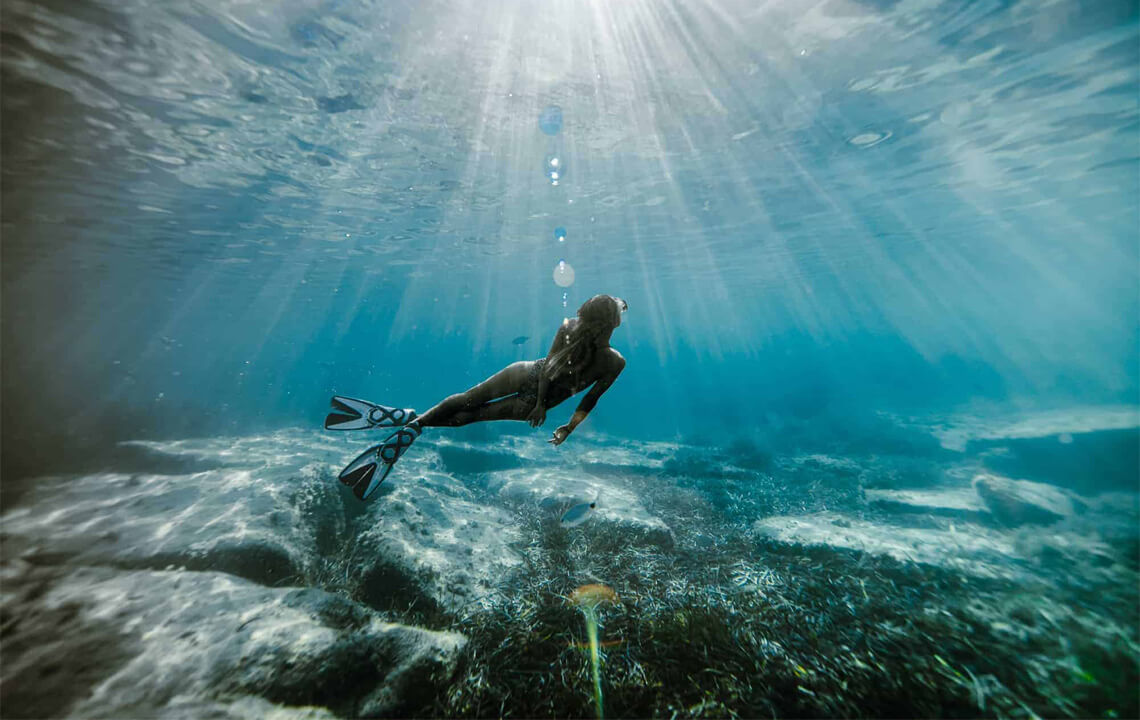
352, 414
364, 474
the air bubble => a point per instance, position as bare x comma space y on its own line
550, 120
560, 234
565, 298
563, 274
555, 168
870, 138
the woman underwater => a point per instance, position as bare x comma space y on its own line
580, 356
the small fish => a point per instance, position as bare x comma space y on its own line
520, 339
578, 514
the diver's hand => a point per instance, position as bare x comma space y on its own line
560, 435
537, 416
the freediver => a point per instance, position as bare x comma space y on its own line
580, 356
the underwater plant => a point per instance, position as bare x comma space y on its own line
588, 598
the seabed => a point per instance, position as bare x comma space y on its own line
243, 581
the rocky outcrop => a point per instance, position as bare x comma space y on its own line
971, 550
430, 538
155, 566
552, 491
1089, 450
264, 523
108, 643
1020, 502
957, 503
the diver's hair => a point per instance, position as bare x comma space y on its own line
597, 317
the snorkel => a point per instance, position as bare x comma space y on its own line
588, 598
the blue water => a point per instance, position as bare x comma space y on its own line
217, 214
829, 219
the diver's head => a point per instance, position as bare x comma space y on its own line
597, 319
603, 311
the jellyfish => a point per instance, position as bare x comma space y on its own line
588, 598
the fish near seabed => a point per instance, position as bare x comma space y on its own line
578, 514
520, 340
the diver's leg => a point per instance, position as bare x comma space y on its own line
370, 468
507, 381
508, 408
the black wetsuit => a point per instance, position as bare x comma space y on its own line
557, 390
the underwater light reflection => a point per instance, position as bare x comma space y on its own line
843, 172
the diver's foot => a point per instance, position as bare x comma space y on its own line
353, 414
365, 474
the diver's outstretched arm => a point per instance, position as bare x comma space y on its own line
589, 401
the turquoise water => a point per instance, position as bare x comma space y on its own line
861, 203
900, 234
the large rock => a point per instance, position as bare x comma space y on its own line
99, 642
959, 502
971, 549
510, 452
1088, 449
442, 531
589, 448
430, 538
272, 511
552, 491
268, 523
1020, 502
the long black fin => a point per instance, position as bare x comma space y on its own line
354, 414
361, 473
371, 467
